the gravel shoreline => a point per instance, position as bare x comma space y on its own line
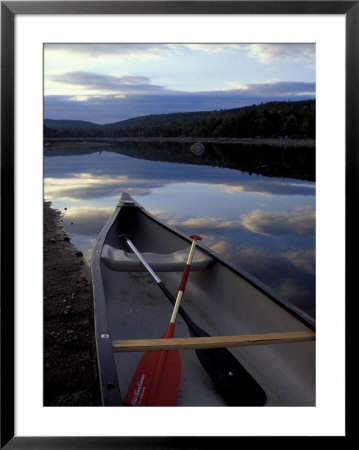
70, 371
272, 142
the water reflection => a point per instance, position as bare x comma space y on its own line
289, 272
301, 220
297, 162
92, 185
266, 225
86, 186
87, 220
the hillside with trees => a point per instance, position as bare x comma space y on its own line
269, 120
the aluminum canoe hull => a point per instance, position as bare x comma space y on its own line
220, 297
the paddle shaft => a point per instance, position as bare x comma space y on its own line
183, 280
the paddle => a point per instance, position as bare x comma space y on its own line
233, 382
158, 374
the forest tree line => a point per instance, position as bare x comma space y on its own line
267, 120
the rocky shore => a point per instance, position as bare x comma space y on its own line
272, 142
70, 371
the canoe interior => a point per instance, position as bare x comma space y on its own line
218, 299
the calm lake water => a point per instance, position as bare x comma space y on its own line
264, 224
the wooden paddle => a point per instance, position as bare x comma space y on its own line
158, 374
231, 379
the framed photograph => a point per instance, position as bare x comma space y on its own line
65, 56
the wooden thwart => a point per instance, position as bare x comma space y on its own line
146, 345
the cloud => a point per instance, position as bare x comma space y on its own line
279, 88
221, 246
97, 51
269, 53
212, 48
142, 51
204, 223
142, 85
265, 53
124, 65
103, 99
86, 186
301, 220
109, 109
108, 83
197, 223
304, 259
272, 187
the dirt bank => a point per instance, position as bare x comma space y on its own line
70, 373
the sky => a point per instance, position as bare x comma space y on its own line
107, 83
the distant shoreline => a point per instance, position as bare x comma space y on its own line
275, 142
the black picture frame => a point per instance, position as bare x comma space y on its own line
9, 9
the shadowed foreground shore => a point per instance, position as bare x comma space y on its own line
70, 372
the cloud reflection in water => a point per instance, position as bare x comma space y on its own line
264, 225
300, 220
289, 273
86, 186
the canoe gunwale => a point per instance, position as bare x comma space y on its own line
110, 389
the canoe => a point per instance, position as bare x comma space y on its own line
271, 340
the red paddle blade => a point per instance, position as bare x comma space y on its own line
156, 379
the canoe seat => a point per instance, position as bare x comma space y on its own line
117, 259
